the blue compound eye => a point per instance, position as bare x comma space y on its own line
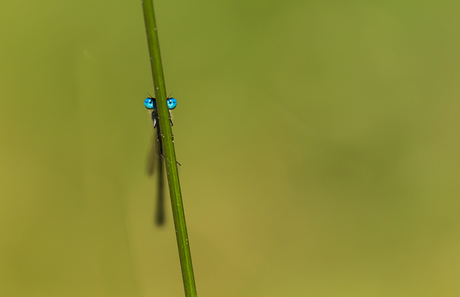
172, 103
150, 103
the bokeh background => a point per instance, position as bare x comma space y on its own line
318, 141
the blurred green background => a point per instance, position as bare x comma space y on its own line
318, 142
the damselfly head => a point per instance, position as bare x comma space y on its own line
150, 103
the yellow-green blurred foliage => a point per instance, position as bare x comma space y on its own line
318, 140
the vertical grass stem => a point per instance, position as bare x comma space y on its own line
168, 150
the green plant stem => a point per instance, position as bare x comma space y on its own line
168, 150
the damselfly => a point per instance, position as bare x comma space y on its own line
156, 156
